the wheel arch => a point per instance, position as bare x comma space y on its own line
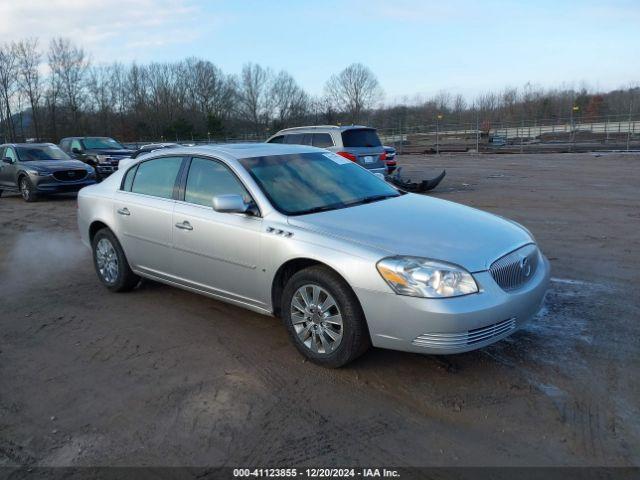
290, 268
95, 227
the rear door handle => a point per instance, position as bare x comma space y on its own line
184, 226
124, 211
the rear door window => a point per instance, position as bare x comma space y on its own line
295, 138
157, 177
322, 140
361, 137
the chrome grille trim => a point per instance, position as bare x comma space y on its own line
516, 268
446, 341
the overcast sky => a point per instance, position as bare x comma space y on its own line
413, 46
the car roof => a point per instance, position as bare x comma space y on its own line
85, 136
239, 151
26, 144
316, 128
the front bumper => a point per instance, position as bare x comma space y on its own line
45, 185
453, 325
105, 169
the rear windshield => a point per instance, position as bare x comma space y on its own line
360, 137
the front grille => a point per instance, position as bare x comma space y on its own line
446, 341
516, 268
69, 175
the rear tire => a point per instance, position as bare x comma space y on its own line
324, 318
27, 189
111, 263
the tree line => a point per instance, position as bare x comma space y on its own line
54, 91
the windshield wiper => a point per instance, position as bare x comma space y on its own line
373, 198
336, 206
322, 208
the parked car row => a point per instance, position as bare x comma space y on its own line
81, 161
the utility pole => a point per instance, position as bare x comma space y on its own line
438, 118
629, 125
574, 108
477, 132
521, 134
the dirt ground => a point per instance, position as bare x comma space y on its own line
160, 376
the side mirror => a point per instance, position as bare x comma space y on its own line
76, 150
229, 204
7, 160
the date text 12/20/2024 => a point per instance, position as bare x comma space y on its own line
316, 472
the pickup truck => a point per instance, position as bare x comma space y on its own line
102, 153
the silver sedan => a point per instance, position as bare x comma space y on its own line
343, 258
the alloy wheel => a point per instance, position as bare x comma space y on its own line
316, 318
24, 189
107, 260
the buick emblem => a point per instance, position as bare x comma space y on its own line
71, 174
525, 266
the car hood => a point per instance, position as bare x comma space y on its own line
423, 226
110, 152
54, 165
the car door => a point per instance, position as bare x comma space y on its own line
143, 212
8, 171
216, 252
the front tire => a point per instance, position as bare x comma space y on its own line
324, 318
111, 263
27, 189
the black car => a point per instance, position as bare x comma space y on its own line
35, 169
102, 153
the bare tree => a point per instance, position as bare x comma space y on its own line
289, 99
101, 101
8, 69
354, 90
255, 103
212, 93
69, 65
29, 59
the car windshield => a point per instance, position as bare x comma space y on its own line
97, 143
304, 183
40, 152
360, 137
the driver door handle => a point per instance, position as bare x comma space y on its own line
184, 226
124, 211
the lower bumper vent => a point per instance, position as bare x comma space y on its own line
452, 341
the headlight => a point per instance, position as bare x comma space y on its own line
102, 158
40, 173
421, 277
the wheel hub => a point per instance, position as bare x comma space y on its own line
316, 319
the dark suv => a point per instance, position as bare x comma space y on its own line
41, 168
102, 153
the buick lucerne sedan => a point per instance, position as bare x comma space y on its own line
342, 257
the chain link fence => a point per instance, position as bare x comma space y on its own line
619, 132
